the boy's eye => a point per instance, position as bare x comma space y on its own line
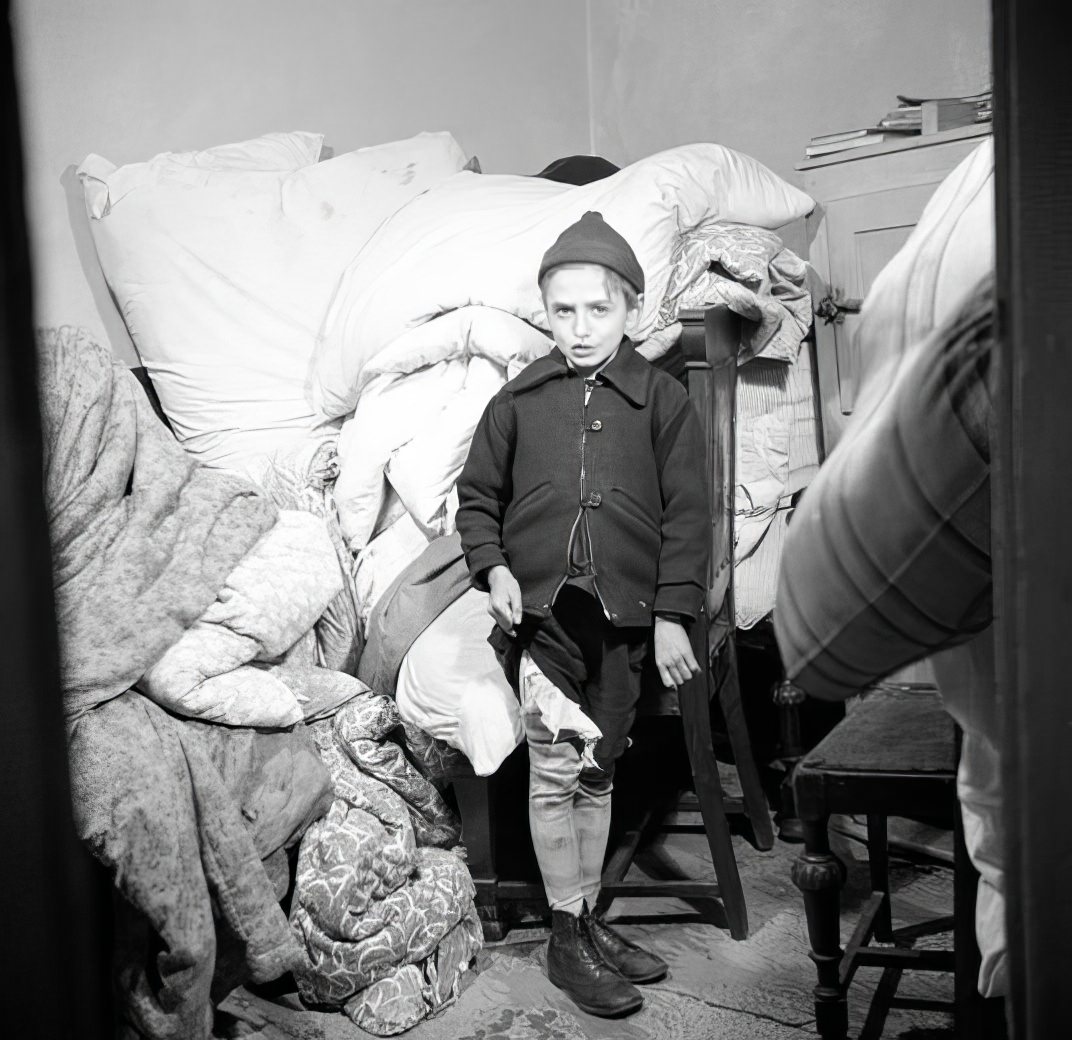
600, 310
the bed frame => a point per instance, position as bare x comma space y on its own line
706, 362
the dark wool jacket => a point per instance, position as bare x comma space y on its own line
632, 458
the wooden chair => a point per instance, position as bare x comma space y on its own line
894, 754
707, 363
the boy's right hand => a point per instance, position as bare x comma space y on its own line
504, 604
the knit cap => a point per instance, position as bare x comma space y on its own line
593, 241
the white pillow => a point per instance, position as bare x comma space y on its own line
452, 686
478, 239
223, 263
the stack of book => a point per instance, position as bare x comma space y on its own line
929, 115
911, 116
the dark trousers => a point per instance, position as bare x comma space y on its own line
591, 661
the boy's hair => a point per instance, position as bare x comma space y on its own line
612, 282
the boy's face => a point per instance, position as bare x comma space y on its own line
587, 316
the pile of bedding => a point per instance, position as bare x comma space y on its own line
390, 291
186, 599
440, 307
184, 815
402, 449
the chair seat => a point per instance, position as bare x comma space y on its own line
917, 735
894, 754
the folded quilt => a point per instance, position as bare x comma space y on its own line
142, 538
267, 603
183, 815
383, 903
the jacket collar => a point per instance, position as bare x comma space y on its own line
627, 372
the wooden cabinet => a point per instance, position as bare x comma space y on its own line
869, 199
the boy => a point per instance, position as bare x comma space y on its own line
583, 511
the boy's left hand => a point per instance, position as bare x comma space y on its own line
673, 653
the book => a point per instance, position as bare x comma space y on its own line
945, 114
871, 137
843, 135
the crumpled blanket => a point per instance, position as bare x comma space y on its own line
190, 818
383, 902
751, 272
142, 537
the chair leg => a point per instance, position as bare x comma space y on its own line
819, 875
729, 697
696, 723
878, 861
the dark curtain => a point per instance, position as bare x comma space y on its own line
55, 900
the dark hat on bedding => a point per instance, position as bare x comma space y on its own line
593, 241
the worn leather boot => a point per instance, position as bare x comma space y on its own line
625, 957
576, 968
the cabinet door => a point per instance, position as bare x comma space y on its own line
867, 208
863, 233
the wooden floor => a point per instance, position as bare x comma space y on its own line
758, 989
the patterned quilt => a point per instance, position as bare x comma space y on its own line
383, 901
750, 271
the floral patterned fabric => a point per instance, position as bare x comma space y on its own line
749, 270
383, 901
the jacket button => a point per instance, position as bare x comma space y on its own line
597, 424
594, 498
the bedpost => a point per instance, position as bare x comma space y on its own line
710, 340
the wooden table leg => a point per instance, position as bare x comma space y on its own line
819, 875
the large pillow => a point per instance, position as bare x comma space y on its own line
887, 557
479, 239
451, 686
223, 263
